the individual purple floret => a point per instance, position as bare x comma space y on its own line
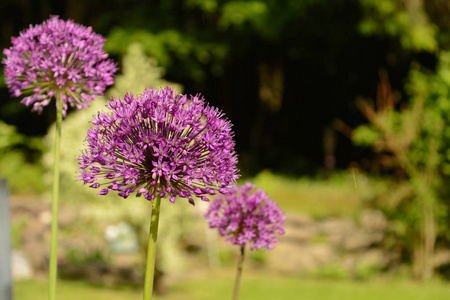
160, 142
246, 216
54, 57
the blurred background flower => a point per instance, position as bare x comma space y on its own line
246, 216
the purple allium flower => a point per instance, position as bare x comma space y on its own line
246, 216
160, 142
57, 56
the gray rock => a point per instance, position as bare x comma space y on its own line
310, 245
373, 220
362, 239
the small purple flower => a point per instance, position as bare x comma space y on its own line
246, 216
54, 57
160, 143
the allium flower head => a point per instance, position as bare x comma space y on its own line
160, 142
57, 56
246, 216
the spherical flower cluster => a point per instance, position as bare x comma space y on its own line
160, 143
57, 57
246, 216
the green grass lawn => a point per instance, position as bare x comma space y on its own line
218, 286
341, 195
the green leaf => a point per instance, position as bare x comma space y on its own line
365, 136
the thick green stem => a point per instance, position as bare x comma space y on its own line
239, 273
151, 250
53, 265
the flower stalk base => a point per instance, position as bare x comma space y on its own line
239, 272
151, 250
53, 264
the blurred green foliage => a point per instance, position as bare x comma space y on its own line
226, 49
366, 272
238, 13
17, 229
415, 142
406, 20
411, 137
258, 257
19, 160
167, 45
331, 272
79, 256
138, 73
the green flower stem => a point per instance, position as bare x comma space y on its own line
239, 273
53, 265
151, 250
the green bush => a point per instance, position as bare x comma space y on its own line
20, 160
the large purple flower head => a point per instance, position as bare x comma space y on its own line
160, 143
246, 216
57, 56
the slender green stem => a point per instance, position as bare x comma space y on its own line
151, 250
239, 273
55, 191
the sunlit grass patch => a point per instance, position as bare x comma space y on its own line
72, 290
219, 286
340, 195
